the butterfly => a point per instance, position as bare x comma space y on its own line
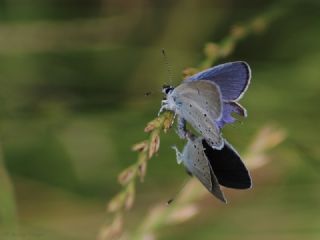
207, 100
214, 167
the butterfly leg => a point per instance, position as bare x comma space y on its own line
174, 117
178, 154
181, 127
164, 105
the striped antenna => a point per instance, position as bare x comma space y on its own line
168, 66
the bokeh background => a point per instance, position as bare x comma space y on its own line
73, 76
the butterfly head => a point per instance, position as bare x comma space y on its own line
166, 89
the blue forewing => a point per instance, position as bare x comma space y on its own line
232, 78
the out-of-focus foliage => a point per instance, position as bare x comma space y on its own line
73, 76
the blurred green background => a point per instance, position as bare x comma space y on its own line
73, 75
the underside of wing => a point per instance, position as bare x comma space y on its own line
198, 165
232, 78
199, 103
203, 94
204, 125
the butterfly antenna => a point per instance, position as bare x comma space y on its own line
181, 188
167, 65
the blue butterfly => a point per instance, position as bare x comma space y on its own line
207, 100
213, 167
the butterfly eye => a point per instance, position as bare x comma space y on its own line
167, 89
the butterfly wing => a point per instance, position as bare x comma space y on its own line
228, 109
228, 166
197, 164
233, 79
199, 103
